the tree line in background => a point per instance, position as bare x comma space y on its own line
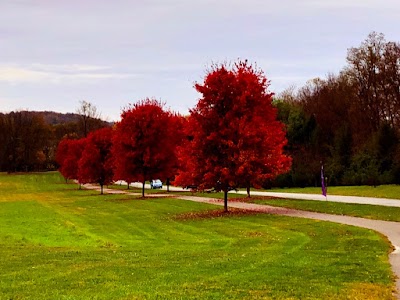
348, 121
28, 140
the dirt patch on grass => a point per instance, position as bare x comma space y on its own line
251, 199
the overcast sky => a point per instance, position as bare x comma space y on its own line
55, 53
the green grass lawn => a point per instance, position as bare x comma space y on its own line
58, 242
382, 191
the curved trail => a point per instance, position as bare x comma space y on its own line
390, 229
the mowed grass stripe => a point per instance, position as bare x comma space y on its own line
71, 244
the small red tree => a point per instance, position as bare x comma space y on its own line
68, 154
144, 143
95, 165
234, 139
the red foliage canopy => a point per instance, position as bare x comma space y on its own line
68, 154
234, 139
145, 141
95, 165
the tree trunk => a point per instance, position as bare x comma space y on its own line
143, 188
226, 200
248, 191
101, 188
128, 185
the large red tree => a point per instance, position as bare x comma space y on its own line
145, 141
234, 139
95, 165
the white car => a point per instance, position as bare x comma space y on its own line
156, 184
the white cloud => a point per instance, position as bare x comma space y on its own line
69, 68
15, 74
343, 4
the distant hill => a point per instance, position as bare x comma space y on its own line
29, 139
55, 118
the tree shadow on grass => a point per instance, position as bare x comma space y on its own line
216, 213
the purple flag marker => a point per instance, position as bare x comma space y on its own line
323, 181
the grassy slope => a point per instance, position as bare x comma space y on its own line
57, 242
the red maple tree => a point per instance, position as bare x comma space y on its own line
95, 165
69, 152
234, 139
144, 142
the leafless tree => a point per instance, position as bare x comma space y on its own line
89, 115
374, 68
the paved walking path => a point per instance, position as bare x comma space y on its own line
390, 229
